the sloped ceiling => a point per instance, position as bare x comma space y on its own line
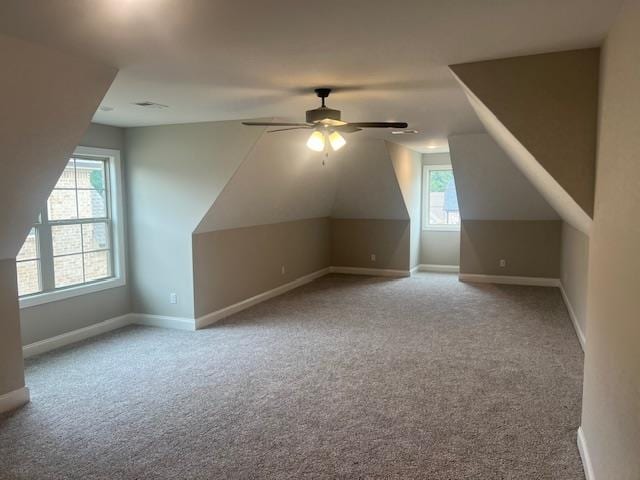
223, 59
282, 180
367, 186
48, 99
542, 110
407, 166
490, 186
180, 170
174, 174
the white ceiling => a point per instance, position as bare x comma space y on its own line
221, 60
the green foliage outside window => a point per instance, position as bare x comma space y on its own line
97, 179
439, 179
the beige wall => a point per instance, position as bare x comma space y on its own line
574, 270
354, 240
11, 367
236, 264
611, 399
530, 248
556, 121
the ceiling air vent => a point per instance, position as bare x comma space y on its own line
148, 104
404, 132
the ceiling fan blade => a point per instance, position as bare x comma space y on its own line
380, 124
347, 128
276, 124
288, 128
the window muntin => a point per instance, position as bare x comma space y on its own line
440, 205
73, 242
28, 265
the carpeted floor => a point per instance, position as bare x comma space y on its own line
347, 377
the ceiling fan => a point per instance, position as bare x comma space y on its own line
326, 123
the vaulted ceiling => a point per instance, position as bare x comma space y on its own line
221, 60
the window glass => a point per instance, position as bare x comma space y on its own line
62, 205
68, 270
441, 201
28, 265
92, 204
72, 237
66, 239
96, 265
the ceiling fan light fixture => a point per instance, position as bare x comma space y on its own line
327, 125
337, 141
316, 141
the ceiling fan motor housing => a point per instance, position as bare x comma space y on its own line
322, 113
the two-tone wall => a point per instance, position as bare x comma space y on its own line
507, 226
235, 264
174, 175
217, 210
543, 111
528, 248
355, 241
288, 212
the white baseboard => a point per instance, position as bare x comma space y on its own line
182, 323
163, 321
584, 455
378, 272
12, 400
218, 315
75, 336
414, 269
574, 319
509, 280
426, 267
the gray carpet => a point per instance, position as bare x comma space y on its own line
347, 377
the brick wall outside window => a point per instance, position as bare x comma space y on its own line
80, 251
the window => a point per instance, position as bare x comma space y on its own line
440, 204
76, 245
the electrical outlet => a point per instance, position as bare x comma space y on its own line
283, 270
503, 263
373, 257
173, 298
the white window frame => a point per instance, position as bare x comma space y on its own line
426, 173
117, 225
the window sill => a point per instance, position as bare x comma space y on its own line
455, 228
57, 295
